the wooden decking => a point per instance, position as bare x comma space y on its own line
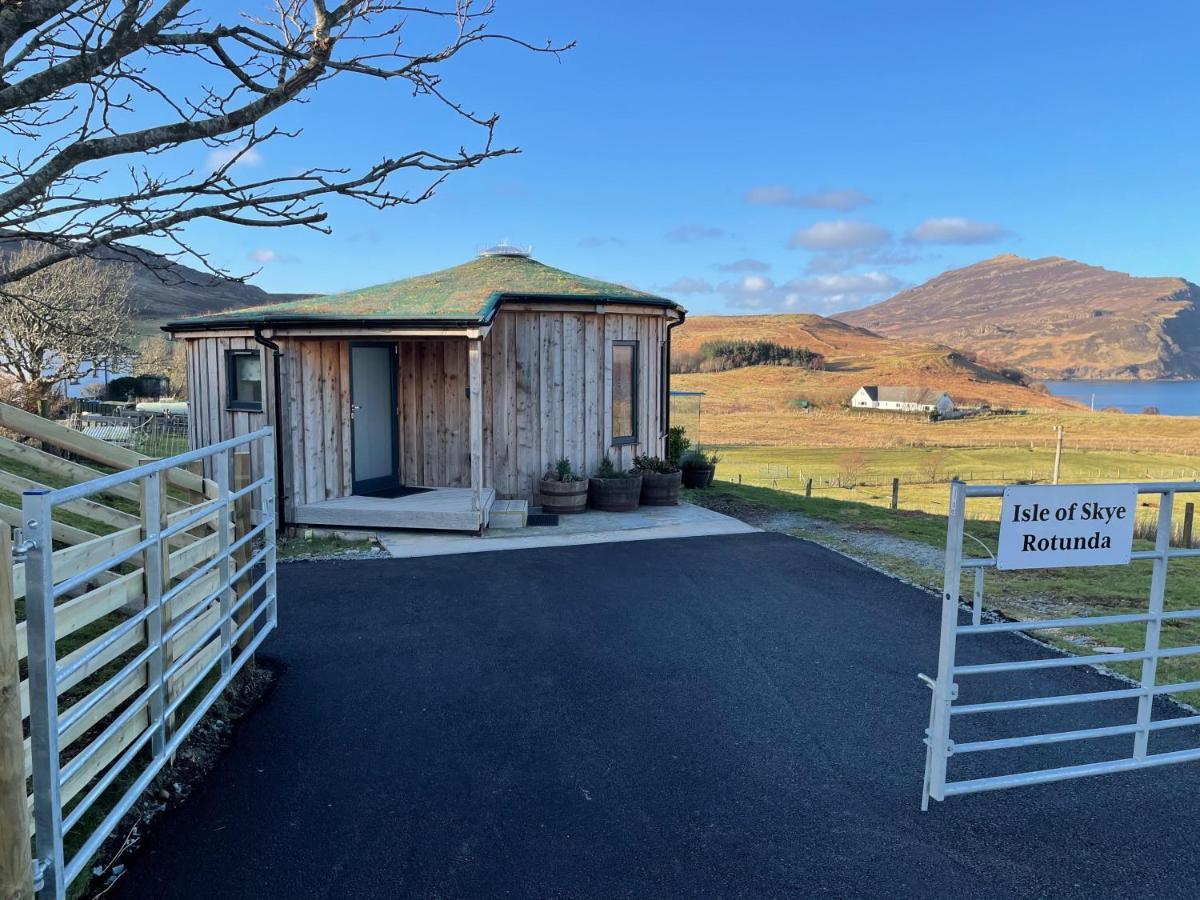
441, 509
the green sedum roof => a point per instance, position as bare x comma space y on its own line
467, 293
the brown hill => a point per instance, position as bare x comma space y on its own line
757, 404
162, 289
1052, 317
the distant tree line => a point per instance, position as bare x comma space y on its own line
719, 355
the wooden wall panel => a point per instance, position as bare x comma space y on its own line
547, 388
209, 419
551, 389
434, 433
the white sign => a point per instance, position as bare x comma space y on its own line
1059, 525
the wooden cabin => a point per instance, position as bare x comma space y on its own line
419, 403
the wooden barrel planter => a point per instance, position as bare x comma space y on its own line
698, 476
615, 494
563, 497
659, 489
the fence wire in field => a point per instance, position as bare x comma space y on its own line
150, 434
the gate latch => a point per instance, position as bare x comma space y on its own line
22, 546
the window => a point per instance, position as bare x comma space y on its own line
624, 392
244, 373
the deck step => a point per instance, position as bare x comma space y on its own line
509, 514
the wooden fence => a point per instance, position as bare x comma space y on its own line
97, 531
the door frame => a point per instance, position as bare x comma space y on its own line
386, 481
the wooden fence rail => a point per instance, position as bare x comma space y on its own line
98, 528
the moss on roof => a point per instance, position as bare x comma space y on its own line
467, 293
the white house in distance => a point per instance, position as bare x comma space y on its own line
902, 399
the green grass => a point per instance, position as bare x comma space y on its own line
300, 547
924, 473
1027, 594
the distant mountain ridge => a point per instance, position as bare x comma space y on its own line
161, 289
1052, 317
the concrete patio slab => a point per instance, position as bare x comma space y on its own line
592, 527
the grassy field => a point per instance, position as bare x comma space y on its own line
925, 473
765, 405
1032, 594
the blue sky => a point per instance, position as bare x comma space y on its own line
778, 157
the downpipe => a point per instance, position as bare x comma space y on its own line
671, 326
277, 393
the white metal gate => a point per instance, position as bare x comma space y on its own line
197, 588
945, 709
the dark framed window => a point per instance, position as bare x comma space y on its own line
664, 388
244, 380
624, 392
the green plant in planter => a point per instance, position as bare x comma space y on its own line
606, 469
613, 489
698, 459
648, 463
677, 444
563, 490
563, 471
698, 468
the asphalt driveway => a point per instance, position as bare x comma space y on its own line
720, 716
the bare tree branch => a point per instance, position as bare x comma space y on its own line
90, 91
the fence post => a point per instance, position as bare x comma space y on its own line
152, 580
944, 688
267, 503
224, 570
895, 493
1158, 588
241, 525
1189, 514
808, 488
36, 525
16, 869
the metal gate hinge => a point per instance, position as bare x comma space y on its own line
39, 873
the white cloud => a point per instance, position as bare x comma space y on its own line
843, 200
823, 293
686, 234
956, 230
688, 285
744, 265
830, 263
839, 234
263, 255
222, 156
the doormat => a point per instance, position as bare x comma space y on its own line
394, 492
541, 519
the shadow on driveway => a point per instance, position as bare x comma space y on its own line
723, 716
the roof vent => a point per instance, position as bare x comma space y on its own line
504, 248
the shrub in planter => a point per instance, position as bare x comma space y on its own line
698, 468
563, 491
613, 489
677, 444
660, 481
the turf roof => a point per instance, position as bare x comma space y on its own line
464, 293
